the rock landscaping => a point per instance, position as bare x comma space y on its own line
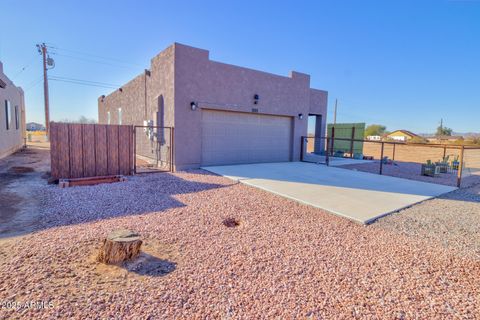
451, 220
284, 260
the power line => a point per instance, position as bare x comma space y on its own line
84, 83
24, 67
95, 55
35, 80
89, 81
33, 84
93, 61
109, 59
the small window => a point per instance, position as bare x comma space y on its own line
119, 115
8, 115
108, 117
17, 119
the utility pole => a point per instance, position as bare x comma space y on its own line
47, 61
335, 113
440, 132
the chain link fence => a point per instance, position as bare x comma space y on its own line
153, 149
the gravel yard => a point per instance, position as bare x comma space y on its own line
411, 170
452, 220
284, 259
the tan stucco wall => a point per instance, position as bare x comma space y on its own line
12, 139
139, 98
399, 134
220, 86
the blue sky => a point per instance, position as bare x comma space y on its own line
405, 64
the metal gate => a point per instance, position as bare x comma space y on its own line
153, 149
314, 149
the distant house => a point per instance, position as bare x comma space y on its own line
401, 135
374, 138
12, 116
33, 126
444, 139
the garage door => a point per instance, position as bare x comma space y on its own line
234, 137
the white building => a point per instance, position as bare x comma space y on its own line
33, 126
12, 116
374, 138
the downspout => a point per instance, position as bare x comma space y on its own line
147, 72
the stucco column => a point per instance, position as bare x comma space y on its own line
318, 144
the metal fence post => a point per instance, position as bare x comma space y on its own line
172, 149
381, 158
393, 156
302, 145
460, 167
327, 159
352, 142
332, 140
134, 150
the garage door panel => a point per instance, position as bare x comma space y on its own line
233, 137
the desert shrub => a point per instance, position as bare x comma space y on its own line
417, 140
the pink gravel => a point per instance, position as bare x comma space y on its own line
452, 220
412, 170
285, 260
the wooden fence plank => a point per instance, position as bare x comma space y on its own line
63, 151
101, 150
89, 143
112, 149
54, 150
88, 150
76, 151
124, 149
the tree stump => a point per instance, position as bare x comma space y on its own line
119, 246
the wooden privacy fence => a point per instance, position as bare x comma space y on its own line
89, 150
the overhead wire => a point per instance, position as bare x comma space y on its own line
92, 58
82, 56
92, 61
84, 82
25, 67
95, 56
33, 84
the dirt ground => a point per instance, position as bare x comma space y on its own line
410, 153
22, 177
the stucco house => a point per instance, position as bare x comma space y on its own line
222, 114
33, 126
445, 139
12, 116
401, 135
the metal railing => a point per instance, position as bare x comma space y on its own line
466, 161
153, 149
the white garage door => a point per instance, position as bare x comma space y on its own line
234, 137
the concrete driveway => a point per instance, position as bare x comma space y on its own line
359, 196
